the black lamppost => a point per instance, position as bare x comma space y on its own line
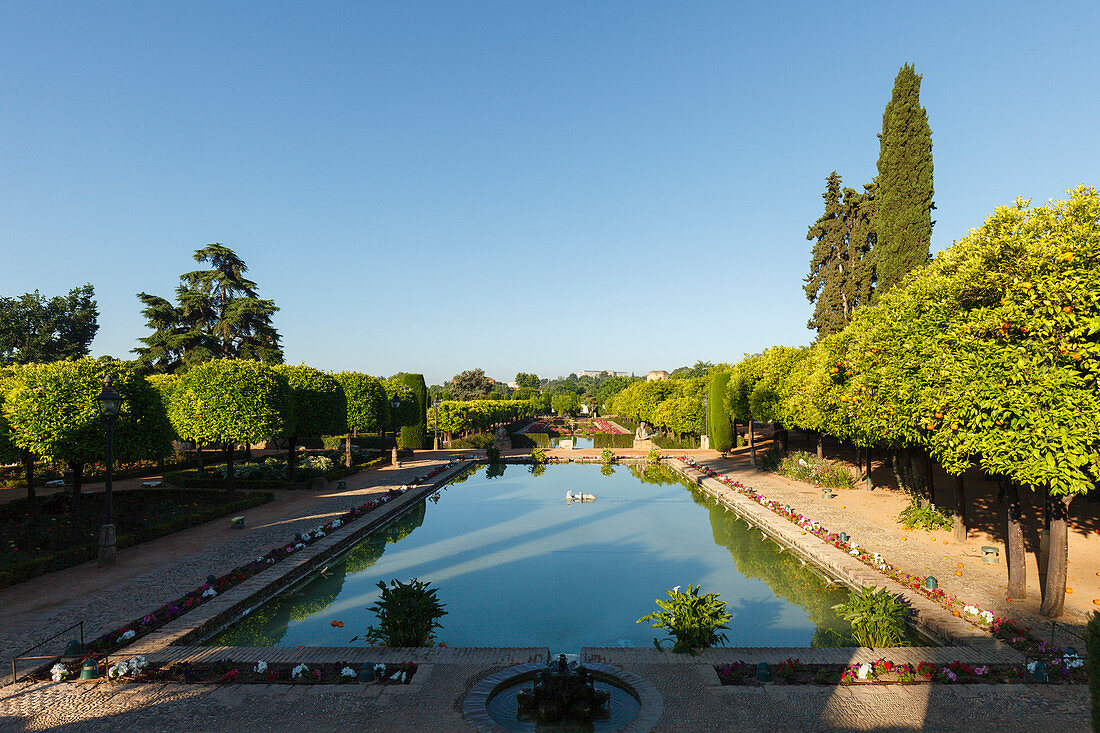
435, 411
395, 405
109, 404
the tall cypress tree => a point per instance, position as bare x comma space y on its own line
904, 194
841, 274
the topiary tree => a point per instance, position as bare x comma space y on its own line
53, 412
407, 412
413, 435
229, 401
366, 405
718, 427
315, 405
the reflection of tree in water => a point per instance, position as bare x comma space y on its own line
467, 473
495, 470
537, 469
268, 624
659, 475
782, 571
607, 469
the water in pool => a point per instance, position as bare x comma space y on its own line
518, 565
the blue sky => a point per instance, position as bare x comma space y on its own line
544, 187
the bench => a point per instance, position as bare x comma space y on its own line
237, 522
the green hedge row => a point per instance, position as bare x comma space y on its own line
613, 440
191, 480
530, 440
19, 572
667, 441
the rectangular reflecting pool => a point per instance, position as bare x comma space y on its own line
518, 565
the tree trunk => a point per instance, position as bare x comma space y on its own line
229, 467
78, 482
930, 483
28, 473
867, 480
198, 456
347, 450
290, 462
752, 443
820, 446
1054, 596
1044, 542
247, 452
784, 438
1014, 543
958, 518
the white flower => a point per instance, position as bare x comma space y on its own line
299, 546
348, 672
972, 610
853, 551
59, 672
396, 676
299, 670
260, 559
126, 635
336, 523
1074, 662
209, 593
318, 534
260, 668
986, 616
116, 670
138, 663
864, 671
676, 589
379, 670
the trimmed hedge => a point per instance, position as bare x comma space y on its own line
719, 428
612, 440
530, 440
667, 441
28, 569
191, 480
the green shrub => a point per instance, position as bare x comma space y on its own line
803, 466
693, 620
926, 517
607, 456
740, 442
654, 455
479, 441
493, 454
612, 440
878, 618
538, 456
408, 615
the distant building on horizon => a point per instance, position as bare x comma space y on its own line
656, 375
597, 374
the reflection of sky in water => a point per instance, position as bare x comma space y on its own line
518, 566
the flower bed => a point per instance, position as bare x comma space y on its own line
1017, 636
136, 669
1068, 670
172, 610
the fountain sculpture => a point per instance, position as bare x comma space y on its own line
562, 691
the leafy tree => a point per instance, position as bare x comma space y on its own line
407, 412
903, 197
366, 405
527, 381
841, 273
229, 401
218, 315
314, 405
53, 412
471, 384
34, 329
566, 403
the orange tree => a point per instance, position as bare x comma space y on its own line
52, 412
365, 398
314, 405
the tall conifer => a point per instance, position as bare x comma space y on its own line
841, 275
904, 194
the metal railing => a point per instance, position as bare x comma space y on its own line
22, 656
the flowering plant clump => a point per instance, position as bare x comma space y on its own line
1015, 635
299, 671
348, 672
59, 672
260, 668
191, 600
131, 667
734, 674
788, 670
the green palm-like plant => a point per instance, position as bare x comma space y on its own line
693, 620
408, 614
878, 618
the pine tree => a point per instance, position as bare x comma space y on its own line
904, 184
841, 275
218, 315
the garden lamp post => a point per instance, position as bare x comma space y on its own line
435, 411
395, 405
109, 403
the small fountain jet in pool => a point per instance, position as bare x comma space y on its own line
562, 691
570, 497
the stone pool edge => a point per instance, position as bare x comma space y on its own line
213, 615
968, 641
